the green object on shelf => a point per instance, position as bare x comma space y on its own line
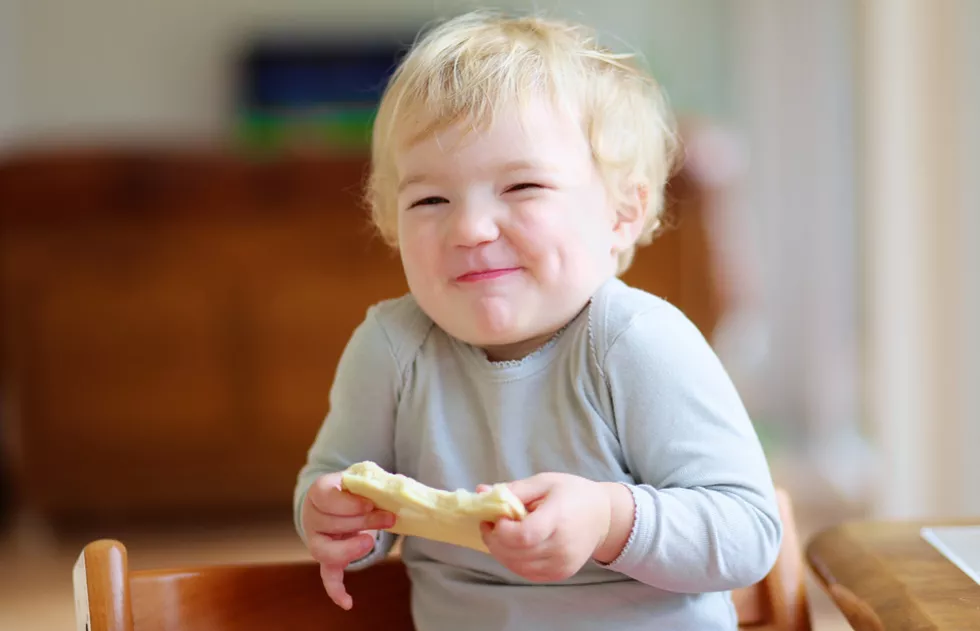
347, 128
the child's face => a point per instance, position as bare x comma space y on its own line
505, 233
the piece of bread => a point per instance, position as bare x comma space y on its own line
448, 516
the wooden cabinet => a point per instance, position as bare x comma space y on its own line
171, 321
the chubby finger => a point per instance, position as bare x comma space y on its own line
548, 569
338, 525
541, 564
331, 500
486, 532
530, 532
333, 582
340, 552
483, 488
532, 489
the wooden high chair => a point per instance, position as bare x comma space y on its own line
263, 597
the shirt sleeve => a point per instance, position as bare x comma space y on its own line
360, 423
706, 516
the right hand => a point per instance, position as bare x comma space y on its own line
337, 525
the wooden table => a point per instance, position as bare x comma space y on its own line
886, 576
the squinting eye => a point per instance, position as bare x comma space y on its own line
523, 186
429, 201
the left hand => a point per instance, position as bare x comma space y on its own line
568, 520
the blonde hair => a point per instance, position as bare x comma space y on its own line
468, 66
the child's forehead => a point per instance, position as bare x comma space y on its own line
527, 129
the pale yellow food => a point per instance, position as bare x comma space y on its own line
448, 516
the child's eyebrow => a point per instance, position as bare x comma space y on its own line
507, 167
418, 178
415, 178
524, 165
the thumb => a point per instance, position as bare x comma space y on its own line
530, 490
530, 532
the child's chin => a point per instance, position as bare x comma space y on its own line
484, 327
484, 338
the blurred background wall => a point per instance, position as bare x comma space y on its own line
110, 68
918, 220
9, 66
969, 185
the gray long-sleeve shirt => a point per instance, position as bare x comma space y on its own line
629, 392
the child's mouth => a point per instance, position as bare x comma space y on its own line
489, 274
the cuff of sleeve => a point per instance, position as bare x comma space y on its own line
641, 535
383, 541
299, 501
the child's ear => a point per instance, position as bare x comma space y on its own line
630, 215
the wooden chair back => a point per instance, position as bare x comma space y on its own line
259, 597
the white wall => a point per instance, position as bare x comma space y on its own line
969, 212
920, 238
797, 106
870, 146
102, 68
9, 70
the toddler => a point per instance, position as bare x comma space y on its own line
516, 166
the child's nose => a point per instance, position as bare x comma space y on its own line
473, 225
